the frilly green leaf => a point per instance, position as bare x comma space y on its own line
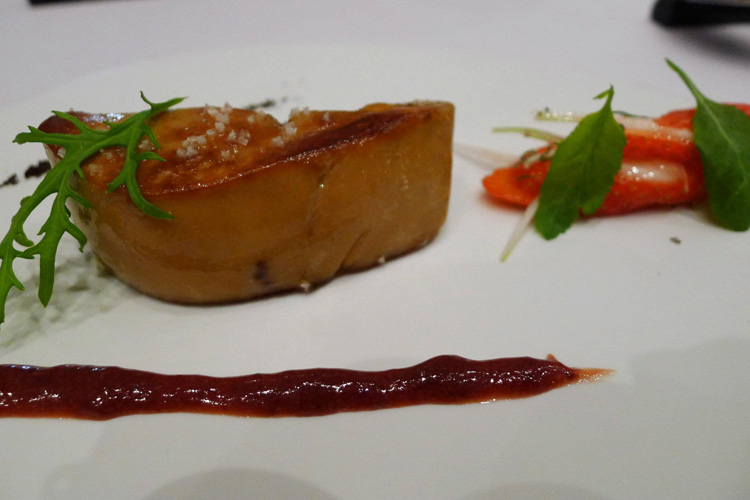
79, 147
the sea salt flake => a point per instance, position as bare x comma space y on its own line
188, 151
290, 130
220, 115
244, 137
297, 111
241, 138
194, 140
145, 144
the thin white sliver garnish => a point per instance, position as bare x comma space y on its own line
634, 124
491, 159
484, 157
520, 229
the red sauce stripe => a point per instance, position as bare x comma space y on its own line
101, 393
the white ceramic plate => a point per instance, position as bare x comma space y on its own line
672, 319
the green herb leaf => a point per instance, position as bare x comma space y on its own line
722, 135
582, 171
78, 148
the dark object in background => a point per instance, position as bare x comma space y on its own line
39, 2
10, 181
33, 171
37, 170
700, 12
45, 2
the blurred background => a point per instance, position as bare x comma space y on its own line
50, 43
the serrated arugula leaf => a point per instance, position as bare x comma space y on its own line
722, 135
78, 148
582, 171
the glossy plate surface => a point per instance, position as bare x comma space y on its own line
671, 318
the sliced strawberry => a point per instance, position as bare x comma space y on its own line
517, 185
683, 118
658, 169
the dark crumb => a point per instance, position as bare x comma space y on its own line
675, 239
268, 103
37, 170
10, 181
261, 273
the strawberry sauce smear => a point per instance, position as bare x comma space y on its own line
103, 393
661, 167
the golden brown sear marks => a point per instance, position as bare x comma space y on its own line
262, 206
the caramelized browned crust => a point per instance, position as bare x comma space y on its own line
262, 207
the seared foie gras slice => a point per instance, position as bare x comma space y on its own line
261, 207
